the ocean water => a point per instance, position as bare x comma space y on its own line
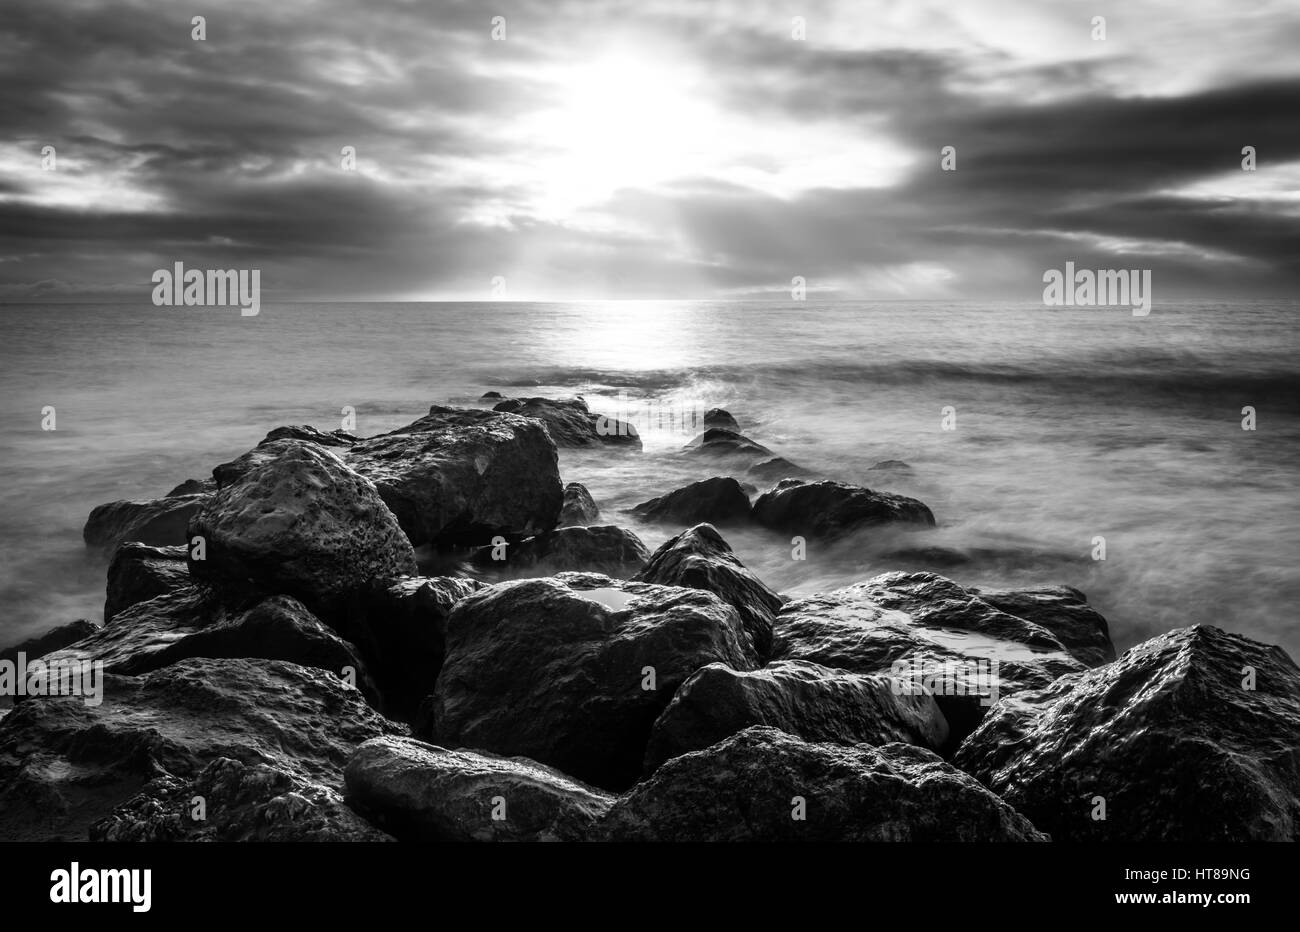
1070, 424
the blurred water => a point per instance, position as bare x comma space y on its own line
1071, 423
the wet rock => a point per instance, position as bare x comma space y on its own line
421, 792
721, 442
701, 559
579, 509
335, 438
400, 627
571, 423
193, 487
890, 466
459, 477
1062, 610
572, 671
929, 634
302, 523
606, 549
239, 802
491, 396
65, 764
52, 640
775, 469
749, 786
719, 500
806, 700
158, 523
719, 417
138, 573
1171, 737
828, 509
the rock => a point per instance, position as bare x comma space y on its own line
806, 700
491, 396
556, 669
52, 640
335, 438
719, 417
420, 792
138, 573
189, 623
302, 523
606, 549
459, 477
775, 469
718, 500
929, 557
829, 509
718, 441
890, 466
1169, 736
746, 788
65, 764
579, 509
400, 627
241, 802
192, 487
700, 559
571, 423
158, 523
1062, 610
927, 633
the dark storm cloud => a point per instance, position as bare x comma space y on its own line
226, 152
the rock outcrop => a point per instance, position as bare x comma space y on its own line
829, 509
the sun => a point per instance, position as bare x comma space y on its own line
623, 120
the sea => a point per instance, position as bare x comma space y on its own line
1042, 438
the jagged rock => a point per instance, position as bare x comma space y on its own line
66, 763
720, 417
158, 523
579, 509
302, 523
828, 509
928, 633
719, 500
806, 700
572, 671
400, 627
192, 487
421, 792
237, 802
463, 476
1169, 737
189, 623
50, 641
600, 549
138, 573
719, 441
750, 786
775, 469
1062, 610
571, 423
700, 559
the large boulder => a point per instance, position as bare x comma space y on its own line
699, 558
809, 701
719, 500
66, 763
572, 671
138, 573
189, 623
828, 509
720, 417
463, 476
240, 802
928, 634
1188, 737
579, 507
421, 792
571, 424
721, 442
606, 549
161, 522
301, 523
400, 627
1062, 610
765, 785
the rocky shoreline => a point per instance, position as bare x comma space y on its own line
277, 667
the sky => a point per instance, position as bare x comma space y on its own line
650, 149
